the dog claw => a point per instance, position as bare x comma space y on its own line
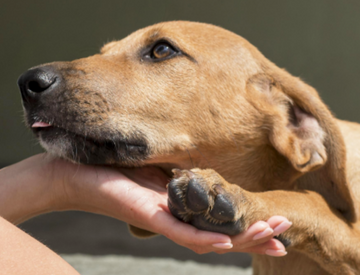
177, 173
180, 173
218, 189
189, 174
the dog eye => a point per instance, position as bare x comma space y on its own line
162, 50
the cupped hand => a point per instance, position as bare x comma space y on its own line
139, 197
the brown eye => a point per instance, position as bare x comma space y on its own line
162, 50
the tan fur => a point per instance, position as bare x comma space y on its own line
226, 107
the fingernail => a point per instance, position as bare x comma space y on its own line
275, 253
223, 245
282, 227
267, 232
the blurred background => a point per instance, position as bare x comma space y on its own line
316, 40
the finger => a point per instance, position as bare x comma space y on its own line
272, 248
257, 233
279, 224
261, 232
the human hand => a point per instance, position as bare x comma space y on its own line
136, 196
139, 197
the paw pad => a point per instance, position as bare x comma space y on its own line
195, 198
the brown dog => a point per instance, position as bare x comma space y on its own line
183, 95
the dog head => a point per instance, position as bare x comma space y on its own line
181, 94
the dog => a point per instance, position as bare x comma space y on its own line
245, 139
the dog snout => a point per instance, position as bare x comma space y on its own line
35, 82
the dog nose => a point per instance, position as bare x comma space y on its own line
37, 81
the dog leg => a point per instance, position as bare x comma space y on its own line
205, 200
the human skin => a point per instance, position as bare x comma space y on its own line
42, 184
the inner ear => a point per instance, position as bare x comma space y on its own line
294, 133
301, 140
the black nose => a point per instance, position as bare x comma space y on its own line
35, 82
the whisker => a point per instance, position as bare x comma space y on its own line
83, 150
116, 149
192, 163
73, 152
76, 153
77, 169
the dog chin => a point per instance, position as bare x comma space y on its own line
81, 149
58, 149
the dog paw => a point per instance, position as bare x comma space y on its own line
205, 200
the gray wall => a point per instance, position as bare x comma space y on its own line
317, 40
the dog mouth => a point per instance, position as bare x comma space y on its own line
102, 152
90, 148
129, 155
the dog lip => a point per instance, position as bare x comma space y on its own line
89, 149
99, 142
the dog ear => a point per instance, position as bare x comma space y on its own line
302, 129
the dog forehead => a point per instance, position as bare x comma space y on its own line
176, 31
200, 38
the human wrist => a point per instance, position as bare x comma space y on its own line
27, 189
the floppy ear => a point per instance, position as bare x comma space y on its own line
302, 129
